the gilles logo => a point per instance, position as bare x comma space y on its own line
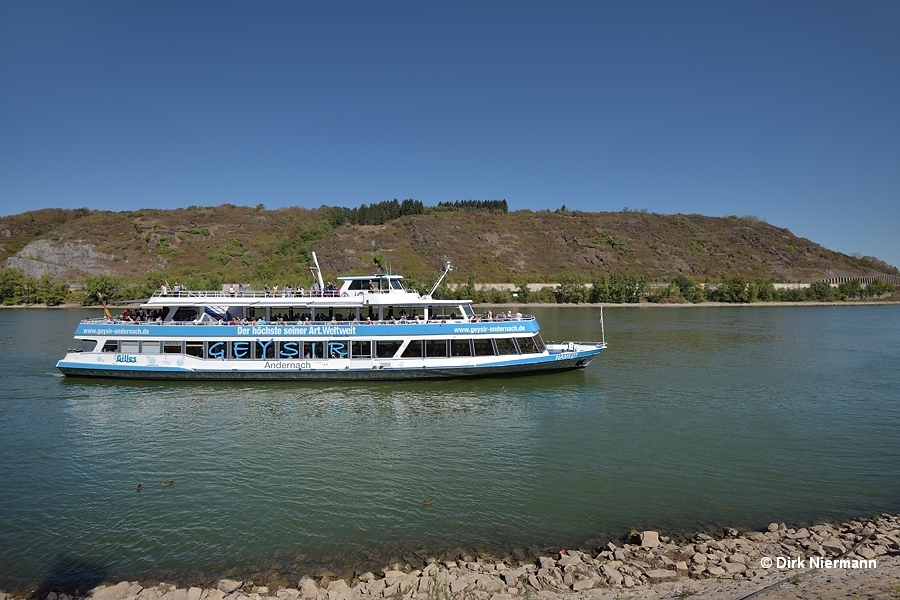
125, 358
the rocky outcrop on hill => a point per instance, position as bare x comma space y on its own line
60, 260
750, 563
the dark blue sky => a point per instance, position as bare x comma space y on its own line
789, 111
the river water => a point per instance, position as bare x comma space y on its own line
692, 418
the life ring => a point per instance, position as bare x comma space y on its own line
359, 293
344, 295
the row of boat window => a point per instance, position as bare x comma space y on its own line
292, 314
334, 348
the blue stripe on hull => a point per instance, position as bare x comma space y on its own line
543, 365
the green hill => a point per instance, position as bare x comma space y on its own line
239, 243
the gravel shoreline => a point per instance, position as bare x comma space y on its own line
854, 559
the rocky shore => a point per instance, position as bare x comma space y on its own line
856, 559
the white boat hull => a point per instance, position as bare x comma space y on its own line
80, 364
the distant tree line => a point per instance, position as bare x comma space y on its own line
740, 291
473, 205
572, 288
18, 288
618, 288
377, 213
878, 264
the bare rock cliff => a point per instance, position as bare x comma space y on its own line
60, 260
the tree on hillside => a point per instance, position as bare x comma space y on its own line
18, 288
467, 291
411, 207
12, 286
629, 289
689, 290
480, 205
850, 289
377, 213
600, 291
734, 290
110, 288
820, 291
52, 292
878, 264
766, 291
523, 292
618, 288
571, 289
878, 287
792, 295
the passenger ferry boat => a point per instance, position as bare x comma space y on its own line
372, 327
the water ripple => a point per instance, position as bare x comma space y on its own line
692, 417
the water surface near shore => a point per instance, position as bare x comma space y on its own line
691, 418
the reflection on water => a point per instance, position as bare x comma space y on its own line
693, 417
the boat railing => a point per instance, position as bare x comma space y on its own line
244, 294
244, 323
270, 294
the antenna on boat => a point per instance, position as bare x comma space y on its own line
317, 272
447, 268
602, 328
